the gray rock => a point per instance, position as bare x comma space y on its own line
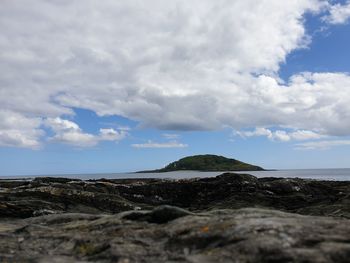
60, 195
229, 218
160, 215
244, 235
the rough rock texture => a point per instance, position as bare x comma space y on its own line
229, 218
244, 235
58, 195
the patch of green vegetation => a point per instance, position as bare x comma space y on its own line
208, 162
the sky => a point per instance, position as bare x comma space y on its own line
91, 86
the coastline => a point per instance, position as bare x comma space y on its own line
332, 174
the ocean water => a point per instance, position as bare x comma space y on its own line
318, 174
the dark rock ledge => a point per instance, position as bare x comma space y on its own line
229, 218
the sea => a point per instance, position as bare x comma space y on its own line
317, 174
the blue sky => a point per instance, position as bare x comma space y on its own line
116, 91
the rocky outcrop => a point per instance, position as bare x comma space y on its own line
229, 218
243, 235
235, 191
57, 195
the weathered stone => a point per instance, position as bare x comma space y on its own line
244, 235
160, 215
136, 220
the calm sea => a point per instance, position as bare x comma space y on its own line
319, 174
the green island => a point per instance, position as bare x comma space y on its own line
206, 162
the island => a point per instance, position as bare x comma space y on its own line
206, 163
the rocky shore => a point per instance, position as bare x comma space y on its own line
229, 218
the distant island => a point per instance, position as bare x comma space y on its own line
207, 162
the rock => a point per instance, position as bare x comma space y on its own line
160, 215
59, 195
243, 235
229, 218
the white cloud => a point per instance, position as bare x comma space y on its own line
174, 65
305, 135
112, 135
75, 138
170, 136
281, 135
59, 125
69, 132
321, 145
171, 143
150, 144
338, 13
124, 128
18, 138
19, 131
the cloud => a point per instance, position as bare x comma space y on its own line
178, 65
150, 144
112, 134
338, 13
170, 136
19, 131
68, 132
321, 145
281, 135
171, 143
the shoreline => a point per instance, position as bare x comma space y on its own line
339, 174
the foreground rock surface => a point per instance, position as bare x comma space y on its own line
229, 218
170, 234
